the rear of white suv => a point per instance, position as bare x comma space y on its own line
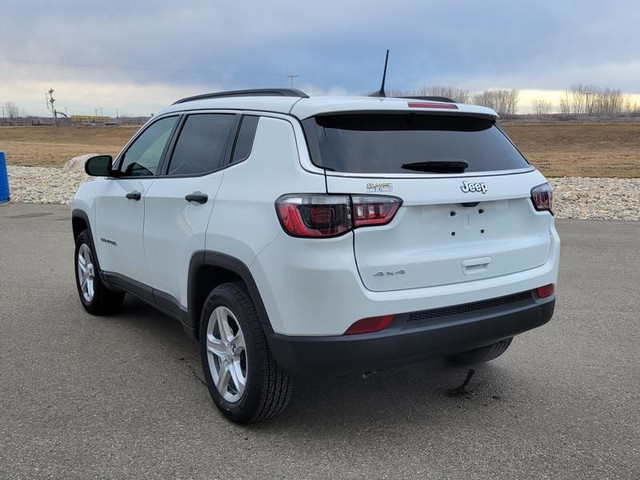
332, 236
434, 236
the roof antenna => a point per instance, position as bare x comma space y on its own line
381, 93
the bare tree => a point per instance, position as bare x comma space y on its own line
504, 102
579, 100
609, 103
460, 95
594, 101
541, 106
11, 110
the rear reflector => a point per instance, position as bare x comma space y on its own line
446, 106
546, 291
369, 325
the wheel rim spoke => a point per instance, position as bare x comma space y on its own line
222, 382
226, 333
236, 375
215, 346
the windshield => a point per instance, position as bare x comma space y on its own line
383, 143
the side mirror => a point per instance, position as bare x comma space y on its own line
99, 166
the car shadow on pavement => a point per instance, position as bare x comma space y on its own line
431, 392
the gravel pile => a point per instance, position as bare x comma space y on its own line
575, 197
43, 184
596, 198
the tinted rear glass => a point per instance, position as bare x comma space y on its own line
202, 144
382, 143
246, 135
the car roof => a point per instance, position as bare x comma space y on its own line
302, 106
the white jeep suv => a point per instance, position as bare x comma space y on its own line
320, 236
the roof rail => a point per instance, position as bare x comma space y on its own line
259, 92
431, 98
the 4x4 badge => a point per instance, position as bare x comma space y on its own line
474, 187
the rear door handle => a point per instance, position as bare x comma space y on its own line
197, 197
134, 196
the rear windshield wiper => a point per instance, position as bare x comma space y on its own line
438, 166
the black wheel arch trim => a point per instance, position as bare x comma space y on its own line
208, 258
82, 215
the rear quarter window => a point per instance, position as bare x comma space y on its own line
382, 143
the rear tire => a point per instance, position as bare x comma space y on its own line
479, 355
95, 297
243, 378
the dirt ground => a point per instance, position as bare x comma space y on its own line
559, 149
54, 146
585, 150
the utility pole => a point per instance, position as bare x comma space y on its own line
291, 77
50, 104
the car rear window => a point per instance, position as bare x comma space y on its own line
382, 143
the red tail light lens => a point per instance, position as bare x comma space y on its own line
546, 291
374, 210
542, 197
314, 215
369, 325
324, 216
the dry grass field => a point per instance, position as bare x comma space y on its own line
54, 146
580, 149
559, 149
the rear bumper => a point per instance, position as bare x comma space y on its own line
410, 338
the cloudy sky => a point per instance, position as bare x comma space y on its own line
133, 57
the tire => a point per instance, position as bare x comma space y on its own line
479, 355
94, 296
243, 378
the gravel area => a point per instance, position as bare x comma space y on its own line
575, 197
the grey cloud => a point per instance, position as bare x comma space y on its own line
330, 44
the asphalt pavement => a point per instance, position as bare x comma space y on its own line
123, 396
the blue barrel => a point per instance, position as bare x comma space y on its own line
4, 180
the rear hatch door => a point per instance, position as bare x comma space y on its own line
457, 223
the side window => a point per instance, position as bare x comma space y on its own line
244, 142
202, 144
144, 155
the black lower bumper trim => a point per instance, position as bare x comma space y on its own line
404, 342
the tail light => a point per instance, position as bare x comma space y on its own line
323, 216
542, 197
374, 210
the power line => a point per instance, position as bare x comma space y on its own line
143, 69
